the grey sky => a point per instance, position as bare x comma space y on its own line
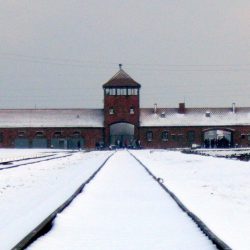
59, 53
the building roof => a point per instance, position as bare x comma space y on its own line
94, 118
194, 117
121, 79
39, 118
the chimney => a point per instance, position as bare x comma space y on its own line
155, 108
182, 108
234, 107
208, 113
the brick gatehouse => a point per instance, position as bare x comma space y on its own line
122, 123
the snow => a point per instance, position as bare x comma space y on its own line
28, 194
223, 152
127, 206
123, 208
38, 118
194, 117
216, 189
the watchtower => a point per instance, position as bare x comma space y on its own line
121, 109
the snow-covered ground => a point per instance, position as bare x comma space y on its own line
18, 154
223, 152
215, 189
28, 194
123, 208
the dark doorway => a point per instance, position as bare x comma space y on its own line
122, 135
218, 138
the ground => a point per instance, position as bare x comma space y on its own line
215, 189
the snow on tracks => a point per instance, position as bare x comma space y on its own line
30, 193
123, 208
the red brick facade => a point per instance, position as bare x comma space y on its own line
90, 135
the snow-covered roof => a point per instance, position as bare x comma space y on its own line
12, 118
194, 117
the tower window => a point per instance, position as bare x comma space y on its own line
123, 91
111, 111
132, 110
134, 91
107, 92
110, 91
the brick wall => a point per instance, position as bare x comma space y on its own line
178, 136
90, 135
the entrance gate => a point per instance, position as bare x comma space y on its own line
218, 138
122, 134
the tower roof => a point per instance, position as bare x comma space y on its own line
121, 79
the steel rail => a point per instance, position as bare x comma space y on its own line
47, 222
32, 162
220, 244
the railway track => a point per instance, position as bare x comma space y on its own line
220, 244
46, 224
30, 160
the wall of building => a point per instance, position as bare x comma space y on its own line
180, 137
121, 106
90, 136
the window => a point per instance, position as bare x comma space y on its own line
39, 134
163, 114
180, 138
21, 134
58, 134
173, 137
1, 137
134, 91
123, 91
191, 136
132, 110
164, 136
243, 136
129, 91
76, 134
107, 92
112, 91
149, 136
118, 91
111, 111
248, 137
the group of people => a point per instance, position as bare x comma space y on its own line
222, 142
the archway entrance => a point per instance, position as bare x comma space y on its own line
218, 138
122, 134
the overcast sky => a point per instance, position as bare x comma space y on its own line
58, 53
